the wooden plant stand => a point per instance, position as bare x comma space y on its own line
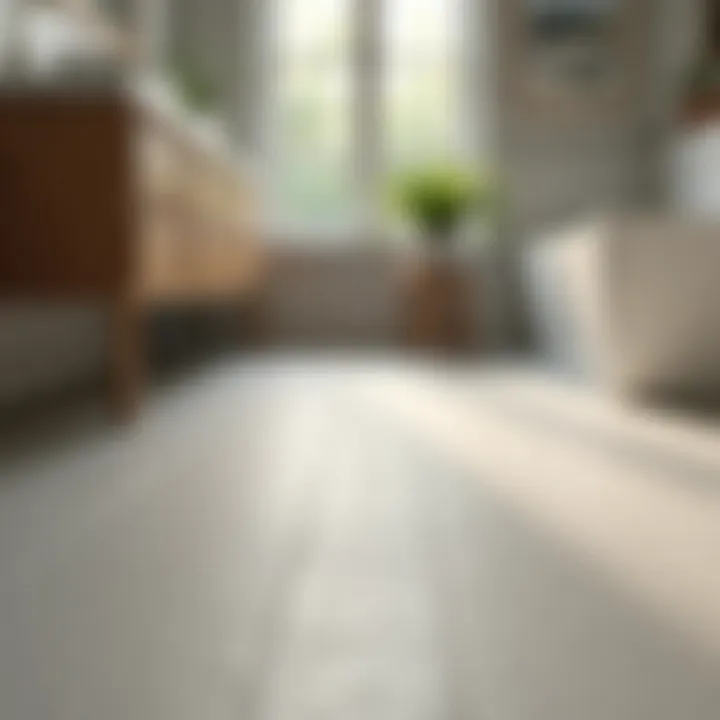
436, 307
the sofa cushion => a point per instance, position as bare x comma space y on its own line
662, 283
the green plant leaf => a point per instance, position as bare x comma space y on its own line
437, 198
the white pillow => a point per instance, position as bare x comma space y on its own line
563, 272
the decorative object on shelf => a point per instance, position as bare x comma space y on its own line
437, 200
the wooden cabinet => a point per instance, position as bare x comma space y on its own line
197, 217
107, 198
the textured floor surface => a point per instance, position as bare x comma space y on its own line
316, 540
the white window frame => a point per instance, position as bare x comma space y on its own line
368, 81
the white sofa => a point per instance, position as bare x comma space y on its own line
634, 302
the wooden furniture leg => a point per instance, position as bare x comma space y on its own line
127, 359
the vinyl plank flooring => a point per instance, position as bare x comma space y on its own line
304, 539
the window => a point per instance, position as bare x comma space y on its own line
421, 81
359, 89
313, 113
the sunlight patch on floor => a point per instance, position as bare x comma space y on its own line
653, 539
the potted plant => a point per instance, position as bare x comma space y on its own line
437, 200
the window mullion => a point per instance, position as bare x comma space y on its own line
368, 111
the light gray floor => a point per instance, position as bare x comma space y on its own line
315, 540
